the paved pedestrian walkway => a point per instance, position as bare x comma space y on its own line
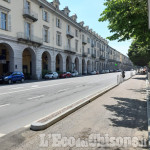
117, 120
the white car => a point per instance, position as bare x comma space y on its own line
51, 75
93, 72
106, 71
74, 74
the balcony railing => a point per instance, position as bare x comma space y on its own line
30, 39
84, 54
84, 41
102, 57
69, 49
70, 34
94, 55
30, 14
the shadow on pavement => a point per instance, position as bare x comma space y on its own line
144, 78
129, 113
143, 90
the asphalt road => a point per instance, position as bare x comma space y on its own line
21, 104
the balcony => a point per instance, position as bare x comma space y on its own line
84, 54
70, 34
69, 49
30, 14
93, 55
30, 40
111, 60
102, 57
84, 41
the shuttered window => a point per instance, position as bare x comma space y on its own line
3, 21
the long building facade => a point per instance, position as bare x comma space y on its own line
36, 36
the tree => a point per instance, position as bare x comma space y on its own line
138, 54
128, 19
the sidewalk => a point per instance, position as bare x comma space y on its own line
121, 112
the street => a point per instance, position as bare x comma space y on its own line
22, 104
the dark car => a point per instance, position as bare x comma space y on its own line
11, 77
65, 75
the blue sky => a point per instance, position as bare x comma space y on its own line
89, 11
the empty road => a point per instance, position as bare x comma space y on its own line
22, 104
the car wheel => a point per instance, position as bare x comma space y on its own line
9, 81
22, 80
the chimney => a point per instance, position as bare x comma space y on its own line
56, 4
87, 27
81, 23
74, 17
66, 11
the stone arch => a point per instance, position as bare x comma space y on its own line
6, 58
83, 66
76, 62
89, 66
69, 64
46, 61
29, 63
59, 63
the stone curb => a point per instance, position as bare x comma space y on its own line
37, 126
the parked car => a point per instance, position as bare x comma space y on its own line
51, 75
65, 75
106, 71
11, 77
111, 71
102, 71
93, 72
74, 74
97, 72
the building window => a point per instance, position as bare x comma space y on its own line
82, 48
69, 43
88, 50
28, 30
58, 23
68, 28
45, 35
27, 7
82, 37
58, 39
76, 45
3, 21
88, 39
76, 31
45, 16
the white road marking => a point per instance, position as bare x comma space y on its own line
16, 88
4, 105
63, 90
2, 134
33, 88
40, 96
79, 86
27, 126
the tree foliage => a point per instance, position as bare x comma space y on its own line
139, 55
128, 19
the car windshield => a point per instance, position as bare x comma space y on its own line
50, 73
